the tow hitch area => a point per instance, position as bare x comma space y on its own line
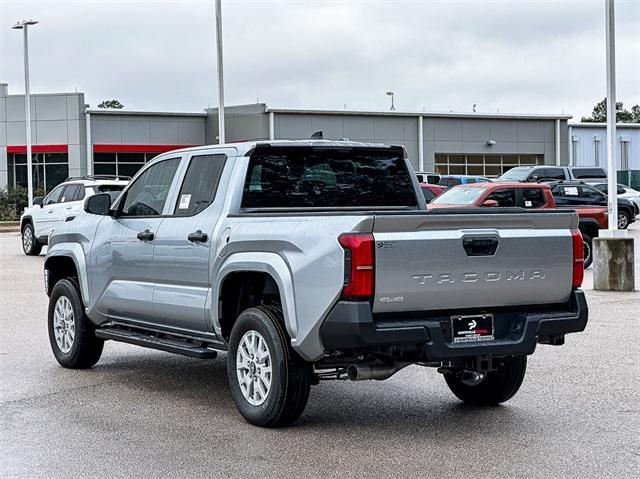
472, 370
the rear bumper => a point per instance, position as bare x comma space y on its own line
351, 326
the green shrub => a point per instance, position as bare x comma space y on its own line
13, 201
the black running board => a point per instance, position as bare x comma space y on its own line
185, 348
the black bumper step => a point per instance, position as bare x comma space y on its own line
185, 348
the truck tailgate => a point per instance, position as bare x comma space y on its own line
463, 259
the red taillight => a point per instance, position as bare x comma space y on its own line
358, 265
578, 258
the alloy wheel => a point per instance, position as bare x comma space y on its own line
622, 221
64, 327
27, 238
253, 368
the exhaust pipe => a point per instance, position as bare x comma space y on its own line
379, 372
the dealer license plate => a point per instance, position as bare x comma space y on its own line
472, 328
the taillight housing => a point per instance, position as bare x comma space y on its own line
578, 258
359, 265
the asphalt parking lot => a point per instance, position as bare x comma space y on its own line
142, 413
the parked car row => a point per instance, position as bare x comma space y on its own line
531, 187
532, 196
309, 261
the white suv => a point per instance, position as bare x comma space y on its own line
64, 201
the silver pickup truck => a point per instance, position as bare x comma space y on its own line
309, 261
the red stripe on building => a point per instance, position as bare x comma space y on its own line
38, 149
136, 148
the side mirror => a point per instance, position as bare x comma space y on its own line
491, 203
98, 204
38, 200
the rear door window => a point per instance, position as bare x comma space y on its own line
320, 177
200, 184
71, 193
532, 198
506, 197
569, 191
591, 193
554, 173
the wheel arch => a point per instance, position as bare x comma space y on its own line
24, 220
267, 267
65, 264
590, 227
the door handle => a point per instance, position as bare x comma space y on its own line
68, 207
145, 235
197, 237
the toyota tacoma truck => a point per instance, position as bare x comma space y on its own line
307, 261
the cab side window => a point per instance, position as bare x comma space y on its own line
505, 197
54, 196
200, 184
148, 193
533, 198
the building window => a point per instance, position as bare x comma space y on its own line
483, 165
574, 150
48, 170
596, 150
624, 154
122, 163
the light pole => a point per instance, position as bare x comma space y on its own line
612, 164
390, 93
221, 138
24, 26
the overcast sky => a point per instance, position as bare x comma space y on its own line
511, 56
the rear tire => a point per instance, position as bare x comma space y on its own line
623, 220
497, 387
71, 334
588, 250
269, 399
30, 244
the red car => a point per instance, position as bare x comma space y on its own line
522, 195
431, 191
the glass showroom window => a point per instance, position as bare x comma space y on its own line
121, 163
49, 170
482, 165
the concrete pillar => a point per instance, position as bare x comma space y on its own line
613, 264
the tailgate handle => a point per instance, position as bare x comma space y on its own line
480, 246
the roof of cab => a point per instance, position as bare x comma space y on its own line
244, 147
504, 184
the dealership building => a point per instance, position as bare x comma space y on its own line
70, 139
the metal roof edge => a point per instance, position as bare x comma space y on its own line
603, 125
434, 114
144, 113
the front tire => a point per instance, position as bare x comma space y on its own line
71, 334
30, 244
269, 382
497, 387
